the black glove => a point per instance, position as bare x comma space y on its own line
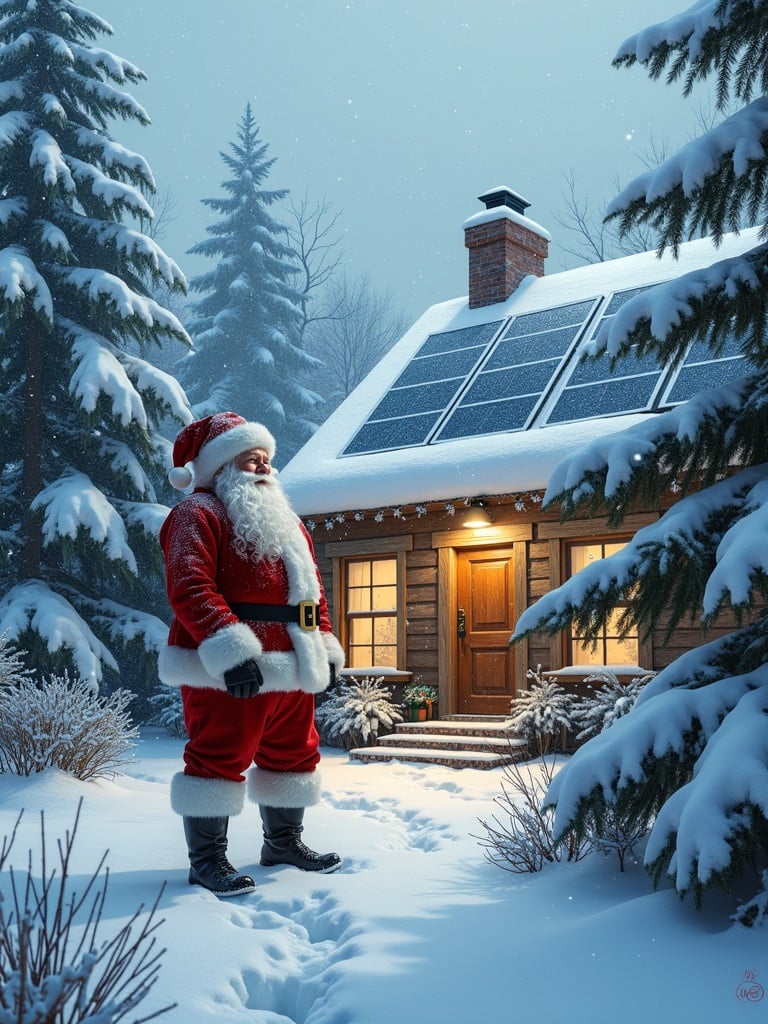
244, 680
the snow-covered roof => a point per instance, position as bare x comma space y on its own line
321, 478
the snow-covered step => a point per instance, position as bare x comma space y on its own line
433, 739
486, 728
482, 759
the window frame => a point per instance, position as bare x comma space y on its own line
342, 552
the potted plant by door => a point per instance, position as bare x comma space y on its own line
419, 700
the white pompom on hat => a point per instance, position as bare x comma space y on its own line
203, 447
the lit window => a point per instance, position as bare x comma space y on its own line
371, 612
611, 649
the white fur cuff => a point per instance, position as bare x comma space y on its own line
228, 648
334, 650
196, 797
283, 789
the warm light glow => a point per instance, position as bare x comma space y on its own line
477, 517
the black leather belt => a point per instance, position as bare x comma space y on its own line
305, 613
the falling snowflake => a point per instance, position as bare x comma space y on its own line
379, 517
421, 510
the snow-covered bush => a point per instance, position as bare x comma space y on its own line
55, 966
64, 724
755, 911
12, 669
543, 713
168, 711
521, 838
357, 712
596, 712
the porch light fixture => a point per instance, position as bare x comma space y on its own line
477, 516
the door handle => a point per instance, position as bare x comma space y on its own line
461, 623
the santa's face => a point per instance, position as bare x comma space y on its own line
255, 460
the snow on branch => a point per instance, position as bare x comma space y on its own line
104, 287
106, 94
32, 605
742, 553
73, 503
110, 191
706, 814
655, 728
147, 516
126, 625
99, 372
47, 155
123, 460
689, 27
739, 137
619, 455
19, 279
114, 155
116, 68
12, 125
163, 386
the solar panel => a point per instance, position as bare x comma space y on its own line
507, 388
511, 375
592, 388
701, 370
429, 383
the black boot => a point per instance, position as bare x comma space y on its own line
209, 867
283, 845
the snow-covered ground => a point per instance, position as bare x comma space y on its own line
416, 927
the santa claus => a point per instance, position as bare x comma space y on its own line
249, 646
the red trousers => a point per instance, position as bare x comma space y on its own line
275, 731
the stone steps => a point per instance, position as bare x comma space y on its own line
458, 742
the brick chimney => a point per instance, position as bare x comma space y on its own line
504, 247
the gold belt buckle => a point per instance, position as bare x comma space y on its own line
308, 616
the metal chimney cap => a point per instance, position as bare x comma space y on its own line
504, 196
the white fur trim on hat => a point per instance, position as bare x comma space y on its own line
228, 446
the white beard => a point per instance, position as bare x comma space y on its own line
262, 520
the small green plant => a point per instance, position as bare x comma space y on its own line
357, 712
417, 695
543, 713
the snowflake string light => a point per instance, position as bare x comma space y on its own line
341, 518
379, 517
359, 517
397, 512
421, 510
311, 525
450, 509
329, 524
519, 505
535, 498
675, 487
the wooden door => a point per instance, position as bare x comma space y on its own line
485, 620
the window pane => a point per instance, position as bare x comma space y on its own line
384, 571
621, 652
359, 599
384, 599
610, 650
360, 657
358, 574
385, 656
385, 630
584, 554
360, 631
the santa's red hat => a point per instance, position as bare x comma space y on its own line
203, 447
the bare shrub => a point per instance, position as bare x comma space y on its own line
12, 669
520, 838
63, 724
54, 966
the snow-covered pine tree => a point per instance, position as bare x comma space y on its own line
78, 406
691, 757
246, 327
